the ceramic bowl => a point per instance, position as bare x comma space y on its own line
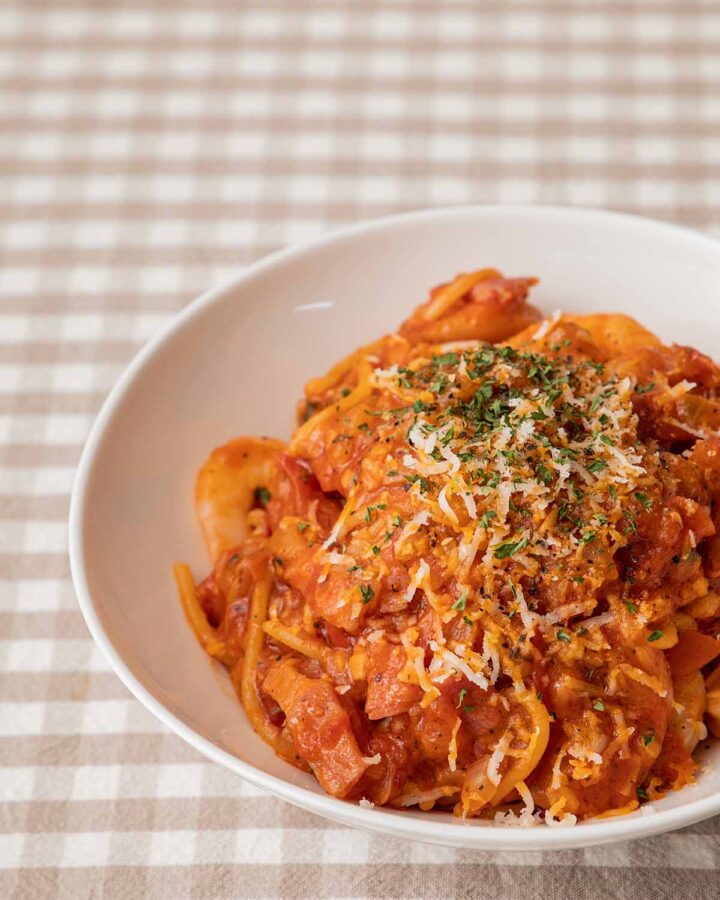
234, 362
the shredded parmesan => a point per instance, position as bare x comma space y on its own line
412, 526
496, 758
453, 662
445, 506
527, 817
600, 620
468, 550
563, 819
529, 619
452, 749
648, 681
491, 657
417, 579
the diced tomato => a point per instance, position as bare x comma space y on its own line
336, 637
320, 727
386, 694
293, 492
693, 651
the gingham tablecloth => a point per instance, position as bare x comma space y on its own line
147, 149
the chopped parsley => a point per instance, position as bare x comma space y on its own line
262, 496
599, 705
544, 474
416, 479
504, 551
460, 602
446, 359
655, 635
643, 499
366, 592
447, 437
597, 465
369, 511
632, 526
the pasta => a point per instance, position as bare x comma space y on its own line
484, 575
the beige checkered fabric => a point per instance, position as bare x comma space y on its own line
146, 149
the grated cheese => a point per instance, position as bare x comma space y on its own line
445, 505
527, 817
496, 758
412, 526
417, 579
559, 821
456, 664
452, 749
372, 760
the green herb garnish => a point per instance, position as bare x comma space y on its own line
460, 602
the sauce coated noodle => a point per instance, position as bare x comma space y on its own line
484, 576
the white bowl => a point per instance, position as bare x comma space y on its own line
235, 361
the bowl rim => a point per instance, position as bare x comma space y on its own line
432, 828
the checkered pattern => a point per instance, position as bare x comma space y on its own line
146, 150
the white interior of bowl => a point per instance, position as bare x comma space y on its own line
235, 362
